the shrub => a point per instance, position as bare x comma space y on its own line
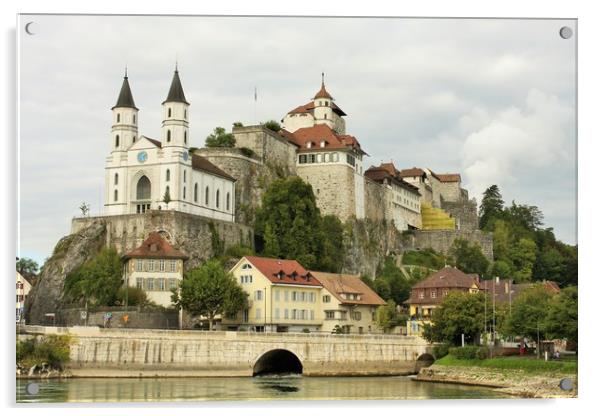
135, 296
247, 152
469, 353
52, 349
440, 350
239, 251
305, 331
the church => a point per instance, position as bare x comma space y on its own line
144, 174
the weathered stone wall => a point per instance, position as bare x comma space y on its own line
450, 191
136, 318
203, 353
442, 240
334, 188
271, 148
464, 211
377, 202
190, 233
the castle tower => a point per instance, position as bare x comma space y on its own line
326, 111
124, 130
175, 115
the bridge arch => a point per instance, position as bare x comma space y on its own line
278, 361
424, 360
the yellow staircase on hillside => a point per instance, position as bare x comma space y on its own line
436, 218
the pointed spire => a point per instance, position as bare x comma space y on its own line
323, 93
125, 98
176, 92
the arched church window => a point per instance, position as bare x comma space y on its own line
134, 119
118, 117
168, 135
185, 137
115, 195
116, 179
217, 199
196, 192
324, 116
228, 201
185, 114
169, 112
117, 141
184, 176
143, 188
184, 193
206, 195
167, 175
133, 139
167, 192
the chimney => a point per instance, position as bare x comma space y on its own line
497, 280
506, 287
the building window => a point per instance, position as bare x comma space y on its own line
118, 117
115, 195
162, 265
323, 143
172, 266
196, 192
433, 293
258, 295
327, 157
151, 265
350, 160
184, 193
228, 201
169, 112
326, 298
167, 175
277, 295
150, 284
308, 145
421, 296
134, 119
324, 116
117, 141
167, 190
277, 313
217, 199
185, 138
173, 284
139, 282
161, 284
143, 188
335, 157
294, 314
184, 176
206, 195
357, 316
185, 114
319, 158
168, 136
286, 295
302, 159
286, 314
245, 315
116, 179
139, 265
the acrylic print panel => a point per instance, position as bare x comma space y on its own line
229, 208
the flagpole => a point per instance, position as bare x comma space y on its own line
255, 106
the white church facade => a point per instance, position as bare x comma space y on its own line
143, 174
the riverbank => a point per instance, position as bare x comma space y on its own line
512, 381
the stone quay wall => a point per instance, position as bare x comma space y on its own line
136, 318
127, 353
442, 240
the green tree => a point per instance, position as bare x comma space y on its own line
459, 313
561, 319
501, 269
523, 255
237, 124
332, 253
27, 266
166, 197
386, 316
219, 138
492, 207
97, 281
529, 312
209, 290
527, 216
272, 125
396, 283
469, 257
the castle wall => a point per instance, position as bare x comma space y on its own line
442, 240
269, 146
192, 234
450, 191
464, 211
377, 200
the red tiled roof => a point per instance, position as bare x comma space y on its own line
323, 93
337, 284
318, 133
310, 106
155, 246
382, 172
449, 177
404, 173
290, 271
200, 163
448, 277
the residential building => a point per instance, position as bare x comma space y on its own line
430, 292
23, 287
347, 303
283, 296
155, 267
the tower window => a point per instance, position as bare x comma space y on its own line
168, 136
325, 116
115, 195
196, 192
167, 175
133, 139
185, 137
134, 119
116, 179
228, 201
184, 176
206, 195
118, 117
184, 193
185, 114
217, 199
117, 141
169, 112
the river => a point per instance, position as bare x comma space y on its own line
245, 388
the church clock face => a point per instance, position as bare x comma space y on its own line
185, 156
142, 156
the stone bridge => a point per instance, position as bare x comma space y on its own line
97, 352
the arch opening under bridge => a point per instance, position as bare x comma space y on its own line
278, 361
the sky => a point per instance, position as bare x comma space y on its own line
492, 99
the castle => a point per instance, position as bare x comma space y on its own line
147, 174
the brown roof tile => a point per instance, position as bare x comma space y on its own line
448, 277
449, 177
337, 284
404, 173
200, 163
316, 134
323, 93
155, 246
283, 271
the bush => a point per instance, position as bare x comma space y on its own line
52, 349
239, 251
469, 353
440, 350
247, 152
135, 296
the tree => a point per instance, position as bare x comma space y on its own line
272, 125
209, 290
237, 124
85, 209
522, 256
166, 197
386, 316
332, 253
97, 281
27, 266
527, 216
219, 138
529, 312
561, 319
394, 280
469, 257
459, 313
492, 207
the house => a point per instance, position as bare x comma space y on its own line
430, 292
23, 287
155, 267
283, 296
505, 290
348, 303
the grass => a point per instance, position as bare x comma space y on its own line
529, 365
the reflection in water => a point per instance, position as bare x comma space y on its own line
292, 387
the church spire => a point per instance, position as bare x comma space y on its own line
176, 92
125, 98
323, 93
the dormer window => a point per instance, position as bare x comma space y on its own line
308, 145
433, 294
421, 295
323, 143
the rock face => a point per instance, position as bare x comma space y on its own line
70, 252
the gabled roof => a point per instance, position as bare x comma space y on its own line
176, 92
323, 93
448, 277
201, 163
310, 106
337, 284
125, 98
318, 133
153, 141
388, 171
404, 173
155, 246
281, 271
449, 177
